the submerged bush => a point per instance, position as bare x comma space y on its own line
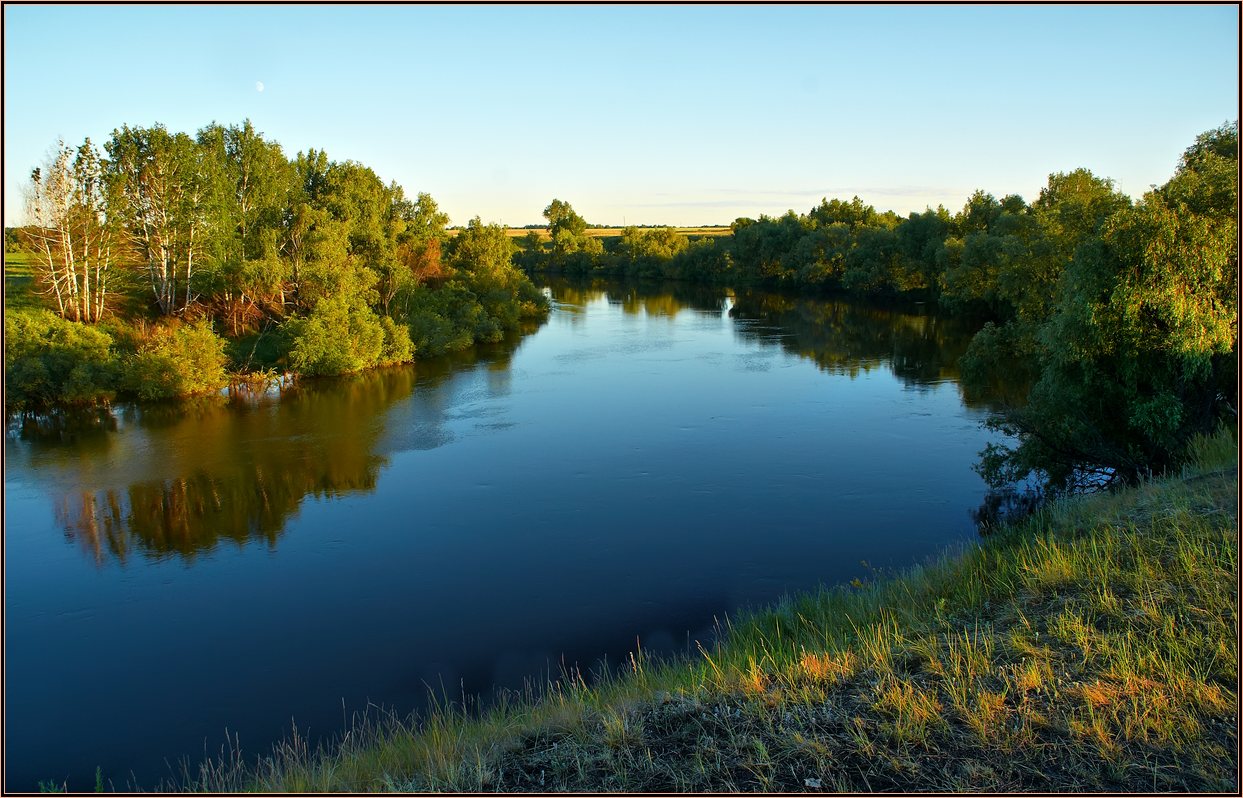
48, 360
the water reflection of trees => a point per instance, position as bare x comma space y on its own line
181, 479
652, 298
851, 337
842, 336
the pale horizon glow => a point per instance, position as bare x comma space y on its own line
681, 115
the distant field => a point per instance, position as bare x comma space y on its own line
612, 232
19, 264
19, 282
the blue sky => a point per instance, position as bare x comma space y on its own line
645, 114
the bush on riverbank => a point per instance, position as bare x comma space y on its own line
176, 360
50, 360
1090, 648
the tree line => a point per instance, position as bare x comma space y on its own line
1121, 315
169, 261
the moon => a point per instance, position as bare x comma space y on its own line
259, 85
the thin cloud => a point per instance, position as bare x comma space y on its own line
862, 191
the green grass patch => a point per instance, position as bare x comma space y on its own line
20, 290
1091, 648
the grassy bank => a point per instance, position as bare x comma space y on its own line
1091, 648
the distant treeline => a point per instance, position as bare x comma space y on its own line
146, 253
1122, 315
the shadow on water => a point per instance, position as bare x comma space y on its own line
920, 347
187, 476
851, 337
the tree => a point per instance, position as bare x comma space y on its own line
648, 251
853, 214
420, 241
1138, 354
765, 249
568, 232
256, 186
167, 196
73, 231
530, 250
918, 239
484, 251
341, 335
978, 214
1071, 211
871, 265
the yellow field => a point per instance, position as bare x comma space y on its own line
612, 232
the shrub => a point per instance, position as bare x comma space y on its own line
443, 319
177, 360
340, 336
398, 348
49, 360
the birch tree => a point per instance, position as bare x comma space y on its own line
166, 193
72, 231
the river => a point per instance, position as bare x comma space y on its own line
648, 461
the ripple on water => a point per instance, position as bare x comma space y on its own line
580, 355
749, 362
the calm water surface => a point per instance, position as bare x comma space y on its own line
645, 462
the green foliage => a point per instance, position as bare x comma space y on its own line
341, 335
49, 360
853, 214
530, 255
647, 252
168, 191
177, 360
488, 298
703, 261
397, 348
443, 319
305, 262
871, 266
918, 240
1138, 354
484, 251
572, 249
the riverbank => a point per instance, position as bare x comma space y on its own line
54, 363
1091, 648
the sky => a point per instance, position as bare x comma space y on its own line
683, 115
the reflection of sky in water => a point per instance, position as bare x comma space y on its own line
637, 467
